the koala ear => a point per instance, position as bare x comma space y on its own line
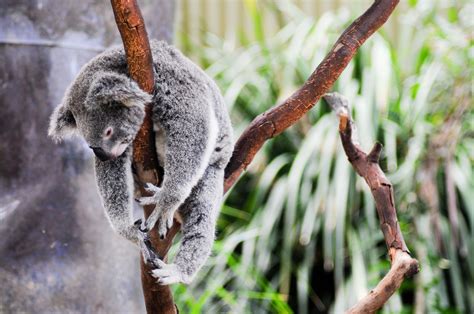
111, 87
62, 123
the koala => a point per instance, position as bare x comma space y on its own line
193, 136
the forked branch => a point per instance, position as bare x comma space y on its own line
367, 166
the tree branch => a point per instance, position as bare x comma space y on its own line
158, 299
366, 165
274, 121
403, 266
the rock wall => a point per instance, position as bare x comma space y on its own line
57, 250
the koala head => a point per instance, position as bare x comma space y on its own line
108, 116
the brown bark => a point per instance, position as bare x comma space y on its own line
274, 121
403, 266
267, 125
158, 299
367, 166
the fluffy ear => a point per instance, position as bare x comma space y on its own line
62, 123
112, 87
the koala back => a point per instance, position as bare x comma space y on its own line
184, 90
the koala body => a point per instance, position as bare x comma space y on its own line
193, 140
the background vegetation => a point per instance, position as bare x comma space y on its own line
299, 232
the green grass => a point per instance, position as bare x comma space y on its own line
299, 231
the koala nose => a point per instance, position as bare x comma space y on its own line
100, 153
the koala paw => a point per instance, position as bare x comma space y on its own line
148, 253
165, 222
168, 274
149, 200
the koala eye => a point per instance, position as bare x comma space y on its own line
108, 132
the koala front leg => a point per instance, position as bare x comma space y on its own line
115, 182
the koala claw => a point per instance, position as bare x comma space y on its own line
149, 255
165, 223
141, 226
151, 188
151, 200
159, 264
168, 274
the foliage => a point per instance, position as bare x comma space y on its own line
299, 232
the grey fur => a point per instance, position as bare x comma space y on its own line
194, 144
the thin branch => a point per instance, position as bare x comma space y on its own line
158, 299
366, 165
274, 121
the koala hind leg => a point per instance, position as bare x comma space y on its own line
199, 213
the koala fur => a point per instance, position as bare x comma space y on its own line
193, 140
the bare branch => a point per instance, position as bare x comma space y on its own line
274, 121
366, 165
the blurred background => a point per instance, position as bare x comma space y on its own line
299, 231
